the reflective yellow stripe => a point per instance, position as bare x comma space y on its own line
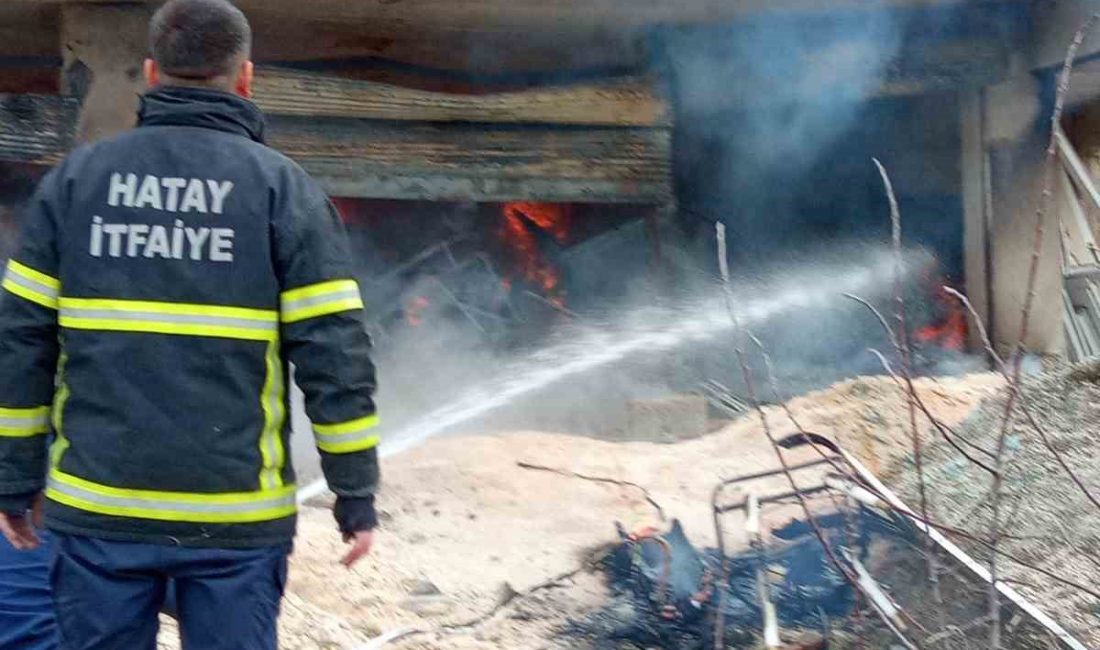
272, 453
319, 289
24, 422
346, 427
60, 443
180, 308
31, 274
169, 318
347, 437
32, 285
370, 442
236, 507
320, 299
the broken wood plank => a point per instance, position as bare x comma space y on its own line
366, 159
352, 179
482, 150
624, 102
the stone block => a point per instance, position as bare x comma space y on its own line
667, 419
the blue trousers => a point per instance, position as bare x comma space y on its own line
107, 594
26, 608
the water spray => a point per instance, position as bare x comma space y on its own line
648, 331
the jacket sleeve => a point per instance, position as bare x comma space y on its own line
325, 338
29, 349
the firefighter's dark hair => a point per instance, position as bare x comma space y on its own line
199, 39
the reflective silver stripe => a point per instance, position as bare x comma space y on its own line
351, 293
347, 441
30, 284
153, 317
346, 437
350, 436
321, 299
282, 500
24, 422
29, 422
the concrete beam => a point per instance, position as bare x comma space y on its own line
527, 14
103, 47
1055, 24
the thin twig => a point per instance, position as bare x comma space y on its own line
773, 382
750, 389
723, 559
478, 620
512, 597
810, 518
904, 351
597, 479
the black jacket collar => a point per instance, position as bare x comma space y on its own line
211, 109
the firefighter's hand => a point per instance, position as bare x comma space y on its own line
18, 528
361, 543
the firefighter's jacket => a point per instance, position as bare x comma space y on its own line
167, 280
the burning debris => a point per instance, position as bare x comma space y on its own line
524, 230
850, 576
949, 329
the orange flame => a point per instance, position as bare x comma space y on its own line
414, 311
950, 331
529, 261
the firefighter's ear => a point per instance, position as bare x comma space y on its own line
244, 79
152, 73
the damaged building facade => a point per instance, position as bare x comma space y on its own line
539, 129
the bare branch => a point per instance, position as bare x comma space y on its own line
598, 479
901, 340
750, 389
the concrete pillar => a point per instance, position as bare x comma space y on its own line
1017, 134
976, 225
103, 47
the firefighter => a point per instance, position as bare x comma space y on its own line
165, 281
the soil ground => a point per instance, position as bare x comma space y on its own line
464, 524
